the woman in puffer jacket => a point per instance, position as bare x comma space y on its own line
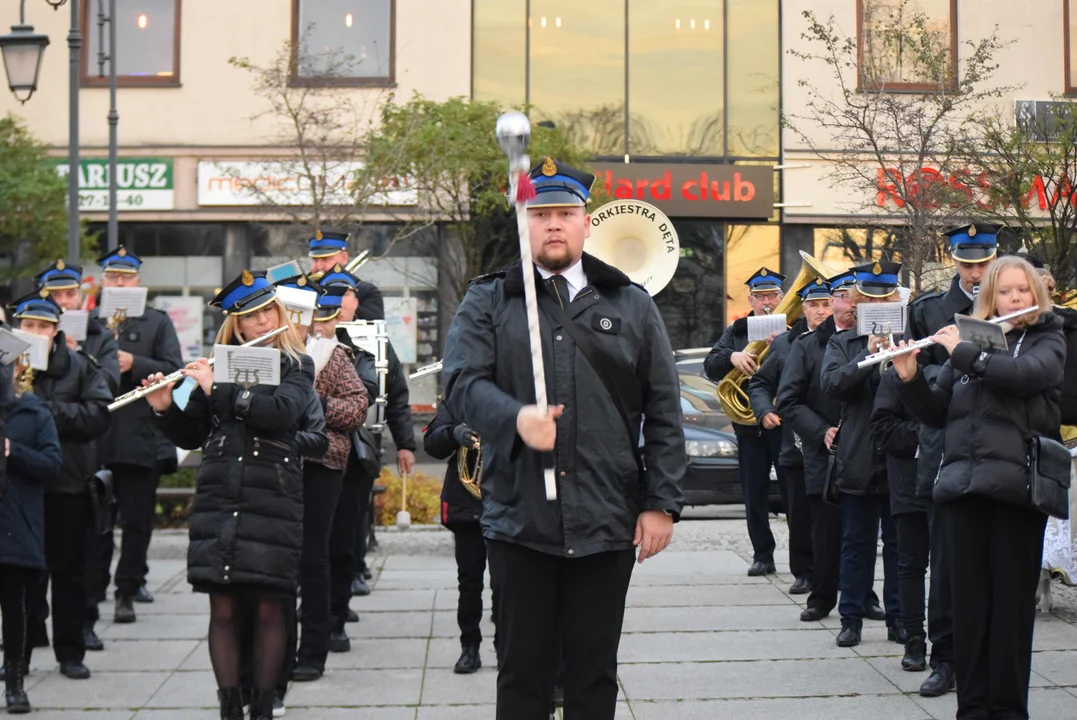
991, 404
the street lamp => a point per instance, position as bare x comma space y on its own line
23, 49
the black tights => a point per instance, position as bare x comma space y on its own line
224, 649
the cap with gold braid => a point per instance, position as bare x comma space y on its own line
59, 276
326, 243
878, 279
559, 185
37, 306
120, 260
247, 293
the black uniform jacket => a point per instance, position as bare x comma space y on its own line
804, 407
861, 460
1069, 383
371, 302
133, 439
991, 405
763, 390
457, 504
246, 522
897, 431
100, 346
398, 403
599, 489
734, 339
78, 394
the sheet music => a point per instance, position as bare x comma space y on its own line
73, 324
984, 335
246, 365
283, 271
299, 303
761, 327
881, 318
38, 350
122, 303
11, 346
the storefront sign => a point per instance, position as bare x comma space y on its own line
894, 191
285, 183
693, 190
142, 184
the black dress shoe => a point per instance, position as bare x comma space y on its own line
850, 633
813, 614
75, 670
940, 682
125, 611
359, 587
875, 612
895, 632
760, 568
142, 596
352, 616
93, 643
306, 673
339, 642
915, 658
469, 661
800, 586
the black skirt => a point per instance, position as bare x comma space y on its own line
244, 591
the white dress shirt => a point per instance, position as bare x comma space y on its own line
574, 276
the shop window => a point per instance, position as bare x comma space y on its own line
147, 41
676, 77
748, 248
499, 52
1069, 23
842, 247
577, 69
907, 44
753, 57
691, 304
344, 42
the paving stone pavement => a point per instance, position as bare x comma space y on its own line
701, 640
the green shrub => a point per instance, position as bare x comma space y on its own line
424, 498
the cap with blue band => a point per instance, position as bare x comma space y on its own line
818, 290
329, 305
878, 279
37, 306
841, 281
559, 185
120, 260
338, 276
247, 293
975, 243
327, 244
765, 281
59, 276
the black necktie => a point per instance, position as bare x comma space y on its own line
559, 289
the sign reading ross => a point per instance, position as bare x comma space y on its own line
284, 183
693, 190
142, 184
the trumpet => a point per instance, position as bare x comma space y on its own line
889, 354
426, 370
357, 262
139, 393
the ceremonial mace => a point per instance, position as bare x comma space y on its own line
514, 135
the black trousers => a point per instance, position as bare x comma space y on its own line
543, 597
826, 553
362, 529
15, 583
940, 602
321, 491
798, 515
135, 489
67, 520
342, 537
913, 547
996, 549
759, 450
470, 567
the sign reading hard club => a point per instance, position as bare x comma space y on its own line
141, 183
693, 190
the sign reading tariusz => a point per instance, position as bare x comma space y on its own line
142, 184
693, 190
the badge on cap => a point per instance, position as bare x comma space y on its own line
60, 265
318, 234
44, 293
122, 252
246, 278
301, 281
818, 281
549, 169
972, 231
878, 269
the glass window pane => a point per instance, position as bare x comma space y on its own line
893, 30
691, 304
754, 57
145, 38
345, 38
578, 70
499, 46
1072, 30
748, 248
675, 73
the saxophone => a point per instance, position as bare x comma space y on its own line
24, 375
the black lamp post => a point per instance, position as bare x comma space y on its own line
23, 49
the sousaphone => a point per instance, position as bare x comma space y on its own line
638, 239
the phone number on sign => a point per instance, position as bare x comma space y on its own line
97, 201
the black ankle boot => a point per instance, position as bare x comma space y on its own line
469, 661
231, 700
915, 658
895, 632
14, 694
262, 704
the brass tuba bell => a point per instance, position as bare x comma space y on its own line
638, 239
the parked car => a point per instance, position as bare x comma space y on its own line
712, 476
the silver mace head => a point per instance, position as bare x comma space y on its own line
513, 134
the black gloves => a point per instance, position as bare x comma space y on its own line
463, 436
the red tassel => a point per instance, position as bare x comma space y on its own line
525, 190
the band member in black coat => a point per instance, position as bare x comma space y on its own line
133, 449
329, 249
77, 394
762, 392
973, 249
246, 522
759, 446
461, 511
861, 464
562, 568
990, 404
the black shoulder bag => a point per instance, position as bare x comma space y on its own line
613, 374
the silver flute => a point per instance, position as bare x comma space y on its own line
426, 370
139, 393
889, 354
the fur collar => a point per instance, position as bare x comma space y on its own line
601, 276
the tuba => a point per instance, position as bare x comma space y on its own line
731, 394
638, 239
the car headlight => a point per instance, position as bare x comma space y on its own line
710, 448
